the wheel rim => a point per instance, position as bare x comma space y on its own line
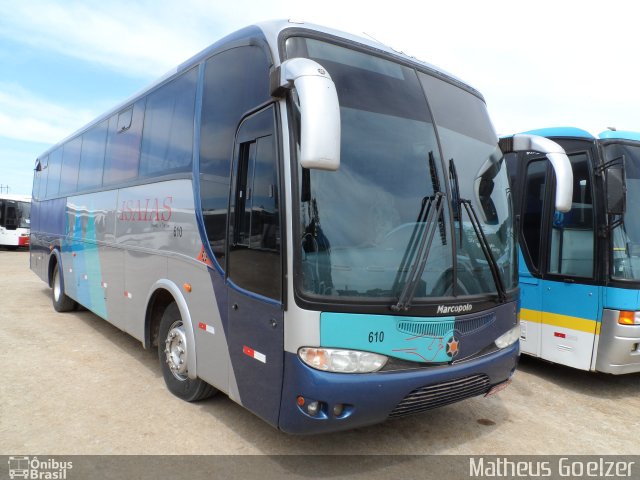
175, 350
57, 288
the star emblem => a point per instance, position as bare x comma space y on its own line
452, 347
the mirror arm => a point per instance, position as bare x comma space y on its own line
523, 142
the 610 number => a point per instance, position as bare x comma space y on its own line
376, 337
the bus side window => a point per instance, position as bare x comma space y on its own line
572, 234
70, 165
92, 158
532, 209
53, 179
122, 153
167, 136
236, 81
254, 230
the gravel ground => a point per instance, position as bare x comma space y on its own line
74, 384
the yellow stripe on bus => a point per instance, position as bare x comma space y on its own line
562, 321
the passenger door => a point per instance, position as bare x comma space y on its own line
571, 299
254, 268
560, 299
534, 205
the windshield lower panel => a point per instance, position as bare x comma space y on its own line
361, 227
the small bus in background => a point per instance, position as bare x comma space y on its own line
580, 270
15, 221
312, 223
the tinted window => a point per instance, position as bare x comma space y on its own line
167, 139
92, 159
70, 165
53, 178
254, 255
235, 82
532, 209
39, 178
572, 239
123, 146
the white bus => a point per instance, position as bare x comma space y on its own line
311, 223
15, 222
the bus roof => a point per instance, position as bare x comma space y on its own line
269, 33
572, 132
15, 197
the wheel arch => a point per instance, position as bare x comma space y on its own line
55, 259
162, 294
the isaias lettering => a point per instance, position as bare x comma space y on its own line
147, 210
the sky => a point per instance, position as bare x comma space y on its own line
538, 63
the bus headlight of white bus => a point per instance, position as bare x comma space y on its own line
342, 361
509, 338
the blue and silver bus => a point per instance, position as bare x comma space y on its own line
580, 270
309, 222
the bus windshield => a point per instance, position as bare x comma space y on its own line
24, 214
361, 226
625, 237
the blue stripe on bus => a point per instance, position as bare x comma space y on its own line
570, 301
561, 132
621, 298
86, 272
619, 135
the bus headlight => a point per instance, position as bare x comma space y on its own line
509, 338
342, 361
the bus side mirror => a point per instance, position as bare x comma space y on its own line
319, 111
523, 142
616, 190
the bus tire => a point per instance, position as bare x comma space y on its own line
172, 354
61, 302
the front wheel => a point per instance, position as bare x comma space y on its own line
173, 354
61, 302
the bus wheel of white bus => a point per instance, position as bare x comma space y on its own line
61, 302
172, 353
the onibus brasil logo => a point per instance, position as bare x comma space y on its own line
32, 468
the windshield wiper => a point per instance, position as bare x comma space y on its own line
458, 203
417, 251
486, 249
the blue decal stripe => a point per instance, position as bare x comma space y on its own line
418, 339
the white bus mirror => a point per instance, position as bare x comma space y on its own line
557, 156
319, 111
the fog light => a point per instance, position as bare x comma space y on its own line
313, 408
338, 408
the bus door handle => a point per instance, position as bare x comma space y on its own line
234, 306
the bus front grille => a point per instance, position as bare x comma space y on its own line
474, 325
441, 394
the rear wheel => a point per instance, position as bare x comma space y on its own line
173, 351
61, 302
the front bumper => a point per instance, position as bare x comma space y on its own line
371, 398
618, 346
